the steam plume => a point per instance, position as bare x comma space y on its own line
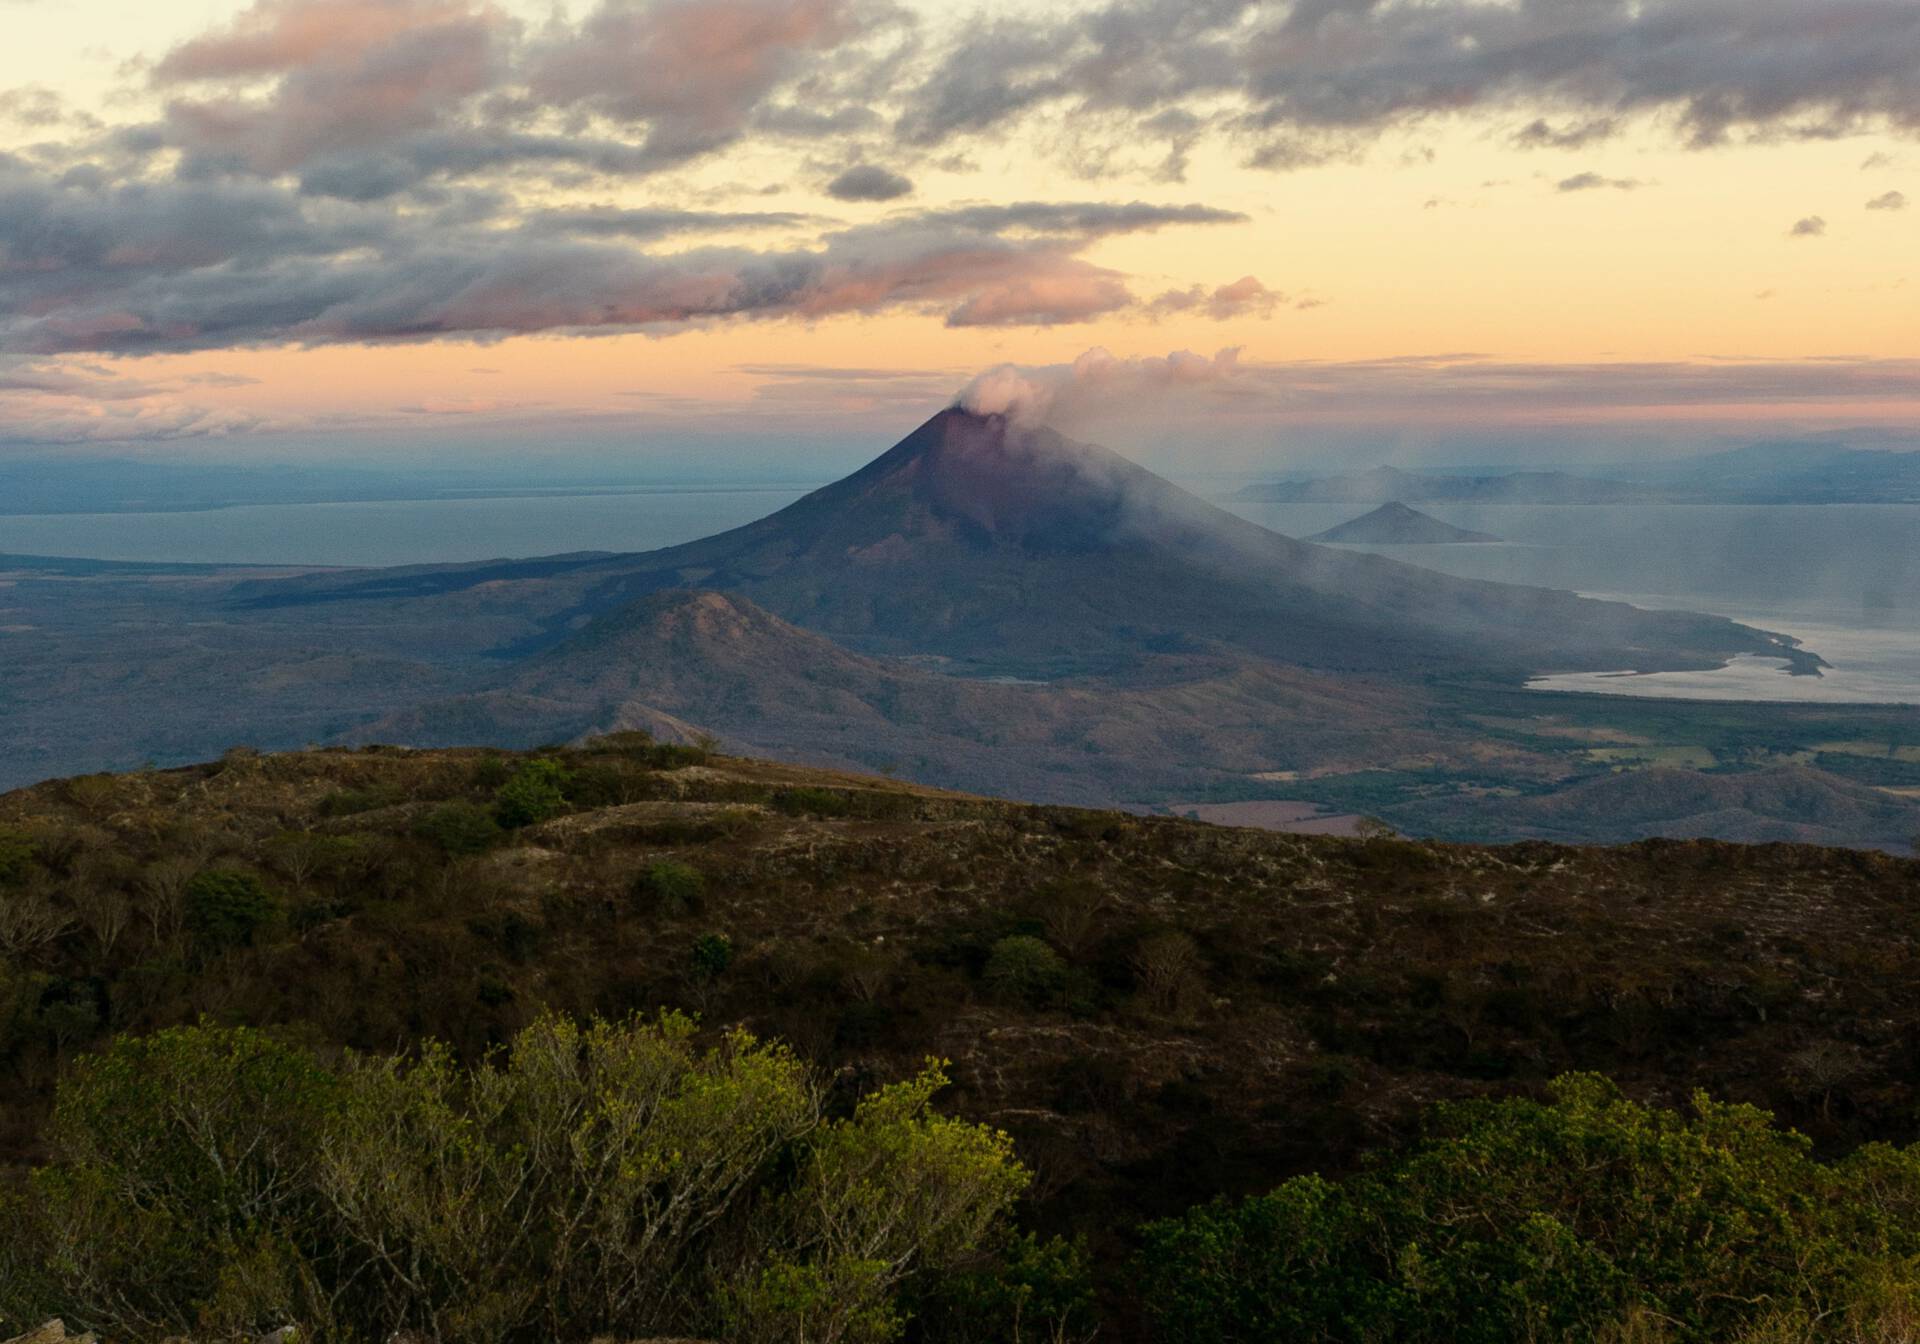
1059, 393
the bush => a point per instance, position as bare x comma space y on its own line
535, 793
352, 802
602, 1179
490, 772
1025, 969
226, 907
894, 1190
1022, 1291
1570, 1219
638, 745
712, 954
811, 802
16, 855
671, 887
183, 1167
459, 828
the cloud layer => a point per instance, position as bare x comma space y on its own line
349, 171
91, 264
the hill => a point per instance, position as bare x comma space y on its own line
1394, 524
681, 662
1785, 803
1193, 1009
1226, 1006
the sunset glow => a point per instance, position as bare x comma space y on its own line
249, 221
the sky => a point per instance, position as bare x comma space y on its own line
432, 227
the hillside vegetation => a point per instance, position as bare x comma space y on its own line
1155, 1010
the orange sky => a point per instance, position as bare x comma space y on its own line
1435, 236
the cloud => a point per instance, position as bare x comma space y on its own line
1190, 394
869, 182
134, 268
1070, 292
1466, 388
39, 108
693, 72
346, 77
1245, 297
609, 222
1079, 218
1542, 134
1811, 227
88, 262
1891, 200
375, 100
69, 402
1300, 83
1594, 182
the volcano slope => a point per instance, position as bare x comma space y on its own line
1209, 1009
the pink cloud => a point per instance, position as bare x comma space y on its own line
1066, 291
1238, 298
349, 74
694, 70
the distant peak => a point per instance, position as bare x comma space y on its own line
1394, 524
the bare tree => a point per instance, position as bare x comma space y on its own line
29, 920
105, 910
164, 885
1167, 965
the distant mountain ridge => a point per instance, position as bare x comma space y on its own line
1394, 524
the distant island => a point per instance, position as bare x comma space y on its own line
1390, 484
1394, 524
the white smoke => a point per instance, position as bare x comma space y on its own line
1098, 382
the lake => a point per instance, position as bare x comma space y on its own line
399, 532
1844, 578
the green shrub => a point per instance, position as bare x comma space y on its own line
226, 907
671, 887
1564, 1220
678, 755
607, 1179
490, 772
459, 827
535, 793
712, 954
352, 802
16, 855
811, 802
1024, 1290
1024, 969
638, 745
184, 1165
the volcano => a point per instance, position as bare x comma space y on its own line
1003, 549
1014, 550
